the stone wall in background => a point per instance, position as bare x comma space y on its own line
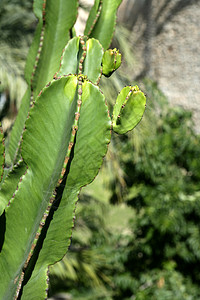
166, 44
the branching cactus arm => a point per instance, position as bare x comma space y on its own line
44, 164
55, 20
102, 20
129, 109
58, 19
93, 61
111, 61
92, 139
93, 135
37, 41
35, 188
91, 64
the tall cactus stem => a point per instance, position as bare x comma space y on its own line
70, 146
78, 108
33, 72
39, 49
47, 183
96, 18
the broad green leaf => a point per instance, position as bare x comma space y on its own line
129, 109
18, 127
105, 24
93, 60
10, 184
92, 140
60, 17
45, 141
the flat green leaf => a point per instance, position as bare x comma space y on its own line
91, 145
105, 24
45, 140
129, 109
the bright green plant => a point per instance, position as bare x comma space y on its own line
58, 141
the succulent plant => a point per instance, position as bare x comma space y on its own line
58, 142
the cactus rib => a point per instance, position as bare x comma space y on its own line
70, 146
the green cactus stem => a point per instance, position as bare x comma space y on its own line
102, 20
128, 110
58, 141
111, 61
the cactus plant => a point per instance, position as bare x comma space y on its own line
58, 141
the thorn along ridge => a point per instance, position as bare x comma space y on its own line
77, 115
79, 102
82, 41
19, 286
70, 145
